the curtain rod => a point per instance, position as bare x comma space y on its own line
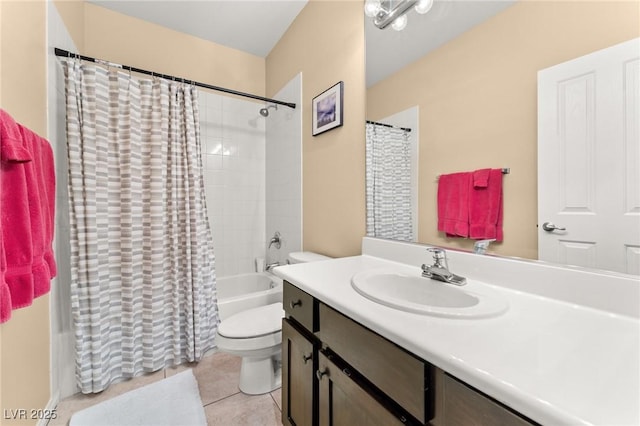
406, 129
67, 54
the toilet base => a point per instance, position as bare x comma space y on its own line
260, 375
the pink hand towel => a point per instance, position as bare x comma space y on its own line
453, 204
481, 178
485, 208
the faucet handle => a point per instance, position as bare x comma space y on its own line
438, 255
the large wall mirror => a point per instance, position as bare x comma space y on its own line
464, 78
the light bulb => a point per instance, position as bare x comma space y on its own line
423, 6
372, 7
399, 23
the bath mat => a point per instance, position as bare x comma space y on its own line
168, 402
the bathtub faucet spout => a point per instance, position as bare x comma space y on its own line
270, 266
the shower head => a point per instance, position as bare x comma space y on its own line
265, 111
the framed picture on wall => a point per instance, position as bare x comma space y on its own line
327, 109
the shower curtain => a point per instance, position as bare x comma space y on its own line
142, 264
388, 180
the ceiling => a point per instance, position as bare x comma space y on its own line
252, 26
255, 26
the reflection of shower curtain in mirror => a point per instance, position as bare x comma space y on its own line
143, 289
388, 171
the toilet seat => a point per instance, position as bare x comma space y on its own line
254, 332
256, 322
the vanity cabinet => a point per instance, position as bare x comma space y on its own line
458, 404
299, 357
338, 372
344, 401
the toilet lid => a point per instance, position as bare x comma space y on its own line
253, 322
306, 256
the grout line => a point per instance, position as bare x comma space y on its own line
221, 399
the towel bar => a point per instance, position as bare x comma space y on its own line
505, 171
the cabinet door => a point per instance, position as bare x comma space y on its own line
463, 406
343, 402
297, 377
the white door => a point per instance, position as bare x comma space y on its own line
589, 160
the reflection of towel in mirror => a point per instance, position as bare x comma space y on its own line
453, 204
485, 206
481, 178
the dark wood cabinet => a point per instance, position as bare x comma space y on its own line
458, 404
299, 357
343, 402
337, 372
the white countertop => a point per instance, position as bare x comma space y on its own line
553, 361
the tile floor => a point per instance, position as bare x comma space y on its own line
217, 377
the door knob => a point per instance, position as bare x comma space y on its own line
550, 227
306, 358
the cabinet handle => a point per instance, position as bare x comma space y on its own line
346, 372
319, 373
306, 358
296, 303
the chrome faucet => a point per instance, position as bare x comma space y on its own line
275, 240
440, 272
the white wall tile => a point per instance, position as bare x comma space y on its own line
234, 147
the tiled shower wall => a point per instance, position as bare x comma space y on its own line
233, 143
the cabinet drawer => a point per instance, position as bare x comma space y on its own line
299, 306
391, 369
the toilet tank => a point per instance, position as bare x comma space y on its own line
305, 256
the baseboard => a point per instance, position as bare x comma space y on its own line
50, 410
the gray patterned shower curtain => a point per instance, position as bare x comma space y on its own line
388, 180
142, 264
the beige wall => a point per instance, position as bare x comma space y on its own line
119, 38
72, 14
477, 100
326, 44
24, 351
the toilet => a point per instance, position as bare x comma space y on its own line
256, 336
305, 256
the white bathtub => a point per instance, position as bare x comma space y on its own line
245, 291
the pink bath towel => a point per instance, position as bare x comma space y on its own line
5, 295
12, 148
485, 206
16, 255
453, 204
41, 196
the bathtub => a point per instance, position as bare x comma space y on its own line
245, 291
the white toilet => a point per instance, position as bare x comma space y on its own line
256, 336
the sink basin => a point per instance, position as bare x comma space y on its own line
413, 293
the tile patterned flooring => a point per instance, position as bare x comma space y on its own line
217, 377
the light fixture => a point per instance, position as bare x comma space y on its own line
392, 12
